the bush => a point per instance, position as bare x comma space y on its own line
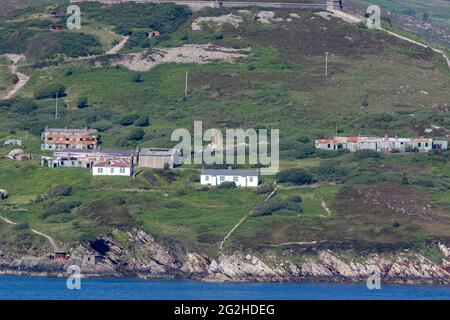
142, 121
174, 205
41, 198
136, 77
269, 207
128, 119
265, 188
295, 176
102, 125
227, 185
50, 91
82, 102
64, 207
60, 190
295, 198
136, 134
22, 226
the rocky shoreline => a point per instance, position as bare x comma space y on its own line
145, 258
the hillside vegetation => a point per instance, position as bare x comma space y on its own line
363, 202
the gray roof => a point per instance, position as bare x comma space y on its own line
65, 130
125, 153
157, 152
230, 172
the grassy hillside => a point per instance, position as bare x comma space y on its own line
377, 85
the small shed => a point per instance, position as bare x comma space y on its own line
60, 256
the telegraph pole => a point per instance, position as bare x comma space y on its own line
326, 64
56, 107
186, 84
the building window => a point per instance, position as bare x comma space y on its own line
250, 179
112, 170
122, 170
100, 170
329, 146
426, 144
222, 178
206, 178
235, 179
420, 144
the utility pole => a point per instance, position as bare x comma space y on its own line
56, 107
186, 85
326, 64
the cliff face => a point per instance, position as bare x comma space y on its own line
143, 257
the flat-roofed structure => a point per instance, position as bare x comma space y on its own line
157, 158
242, 178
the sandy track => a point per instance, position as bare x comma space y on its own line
199, 54
50, 239
23, 78
119, 46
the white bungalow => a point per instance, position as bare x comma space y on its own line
118, 167
242, 178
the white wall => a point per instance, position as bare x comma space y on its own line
248, 181
108, 172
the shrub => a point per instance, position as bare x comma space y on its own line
22, 226
295, 198
174, 205
102, 125
60, 190
265, 188
63, 207
227, 185
82, 102
41, 198
128, 119
136, 134
136, 77
295, 176
267, 208
50, 91
142, 121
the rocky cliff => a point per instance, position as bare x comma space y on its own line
143, 257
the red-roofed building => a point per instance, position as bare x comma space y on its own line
57, 139
118, 167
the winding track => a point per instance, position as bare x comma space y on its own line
23, 78
50, 239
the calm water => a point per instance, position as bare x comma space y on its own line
12, 287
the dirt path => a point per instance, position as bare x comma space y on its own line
325, 207
242, 220
119, 46
23, 79
50, 239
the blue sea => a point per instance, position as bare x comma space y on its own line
39, 288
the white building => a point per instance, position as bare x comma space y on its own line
112, 168
381, 144
242, 178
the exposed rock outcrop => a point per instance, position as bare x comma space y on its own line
142, 256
